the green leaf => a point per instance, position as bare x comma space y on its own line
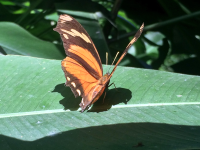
75, 9
151, 109
20, 42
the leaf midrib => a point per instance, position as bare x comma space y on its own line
116, 106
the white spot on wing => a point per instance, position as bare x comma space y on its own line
64, 18
65, 35
68, 78
82, 102
75, 33
79, 92
73, 84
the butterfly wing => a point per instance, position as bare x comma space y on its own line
104, 81
98, 90
78, 45
79, 80
82, 67
137, 35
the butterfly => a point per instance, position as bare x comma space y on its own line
82, 66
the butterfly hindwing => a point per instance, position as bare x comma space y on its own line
77, 78
81, 82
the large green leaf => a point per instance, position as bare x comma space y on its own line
18, 41
150, 110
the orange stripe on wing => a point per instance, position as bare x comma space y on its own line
87, 57
77, 70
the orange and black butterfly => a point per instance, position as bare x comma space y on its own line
82, 66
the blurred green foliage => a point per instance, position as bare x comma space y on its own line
170, 41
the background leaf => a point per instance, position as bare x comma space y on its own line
19, 41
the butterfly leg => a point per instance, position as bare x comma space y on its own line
114, 85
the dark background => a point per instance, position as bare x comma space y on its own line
170, 40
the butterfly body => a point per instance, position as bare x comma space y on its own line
82, 66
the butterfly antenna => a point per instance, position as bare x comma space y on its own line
113, 60
106, 58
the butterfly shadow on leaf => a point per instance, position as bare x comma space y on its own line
69, 101
113, 97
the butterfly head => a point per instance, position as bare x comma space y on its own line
104, 78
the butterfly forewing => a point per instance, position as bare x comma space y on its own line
78, 45
137, 35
